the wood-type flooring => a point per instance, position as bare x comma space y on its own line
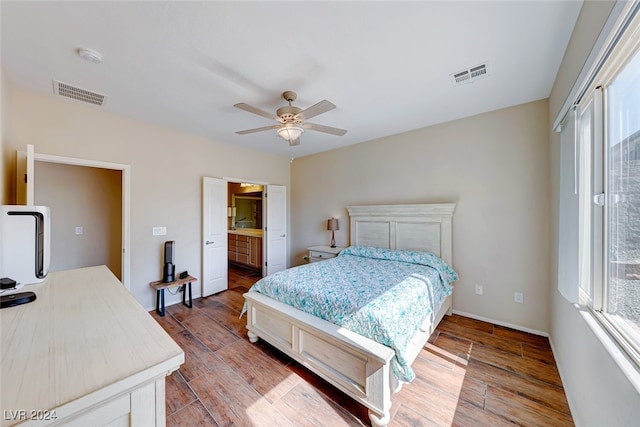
470, 373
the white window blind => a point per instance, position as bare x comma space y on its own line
568, 216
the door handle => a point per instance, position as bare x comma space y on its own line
282, 235
209, 243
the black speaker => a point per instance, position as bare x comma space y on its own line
169, 271
169, 255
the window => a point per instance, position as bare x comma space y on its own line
606, 157
588, 117
622, 173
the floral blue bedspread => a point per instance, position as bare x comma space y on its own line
382, 294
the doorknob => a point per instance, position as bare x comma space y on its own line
209, 243
282, 235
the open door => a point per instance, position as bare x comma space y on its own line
276, 230
214, 236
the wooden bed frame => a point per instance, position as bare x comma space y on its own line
358, 366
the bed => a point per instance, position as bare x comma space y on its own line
359, 366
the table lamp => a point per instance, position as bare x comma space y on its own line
332, 226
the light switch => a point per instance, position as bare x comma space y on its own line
79, 231
159, 231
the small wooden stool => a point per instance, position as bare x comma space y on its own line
160, 286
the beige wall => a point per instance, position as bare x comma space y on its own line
599, 392
494, 166
166, 173
85, 197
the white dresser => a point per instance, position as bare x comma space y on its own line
84, 353
320, 253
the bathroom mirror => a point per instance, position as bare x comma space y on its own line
248, 212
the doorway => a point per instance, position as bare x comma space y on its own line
217, 220
86, 221
245, 226
26, 193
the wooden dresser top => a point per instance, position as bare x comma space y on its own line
84, 334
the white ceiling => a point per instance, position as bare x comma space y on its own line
385, 64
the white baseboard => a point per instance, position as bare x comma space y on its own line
505, 324
567, 393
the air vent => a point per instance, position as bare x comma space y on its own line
469, 75
63, 89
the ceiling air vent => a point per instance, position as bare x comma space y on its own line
63, 89
469, 75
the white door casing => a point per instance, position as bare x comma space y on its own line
25, 170
25, 177
214, 236
276, 230
30, 177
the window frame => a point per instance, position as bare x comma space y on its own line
593, 180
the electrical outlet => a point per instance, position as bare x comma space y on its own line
518, 297
79, 231
479, 290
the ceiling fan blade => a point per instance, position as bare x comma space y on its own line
325, 129
294, 142
245, 132
255, 110
314, 110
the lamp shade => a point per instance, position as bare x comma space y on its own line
332, 224
290, 133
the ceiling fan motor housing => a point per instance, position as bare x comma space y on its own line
288, 113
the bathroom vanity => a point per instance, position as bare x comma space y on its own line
245, 247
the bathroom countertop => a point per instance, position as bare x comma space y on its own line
254, 232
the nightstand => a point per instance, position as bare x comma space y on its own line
320, 253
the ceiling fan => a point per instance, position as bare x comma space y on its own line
292, 120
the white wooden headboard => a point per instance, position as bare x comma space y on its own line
422, 227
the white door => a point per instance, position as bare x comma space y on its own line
276, 228
214, 236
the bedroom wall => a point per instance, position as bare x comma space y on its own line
598, 388
166, 173
494, 166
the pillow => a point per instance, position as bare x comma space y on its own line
413, 257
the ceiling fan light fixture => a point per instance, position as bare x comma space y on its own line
290, 133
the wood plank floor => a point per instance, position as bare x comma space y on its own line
470, 373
